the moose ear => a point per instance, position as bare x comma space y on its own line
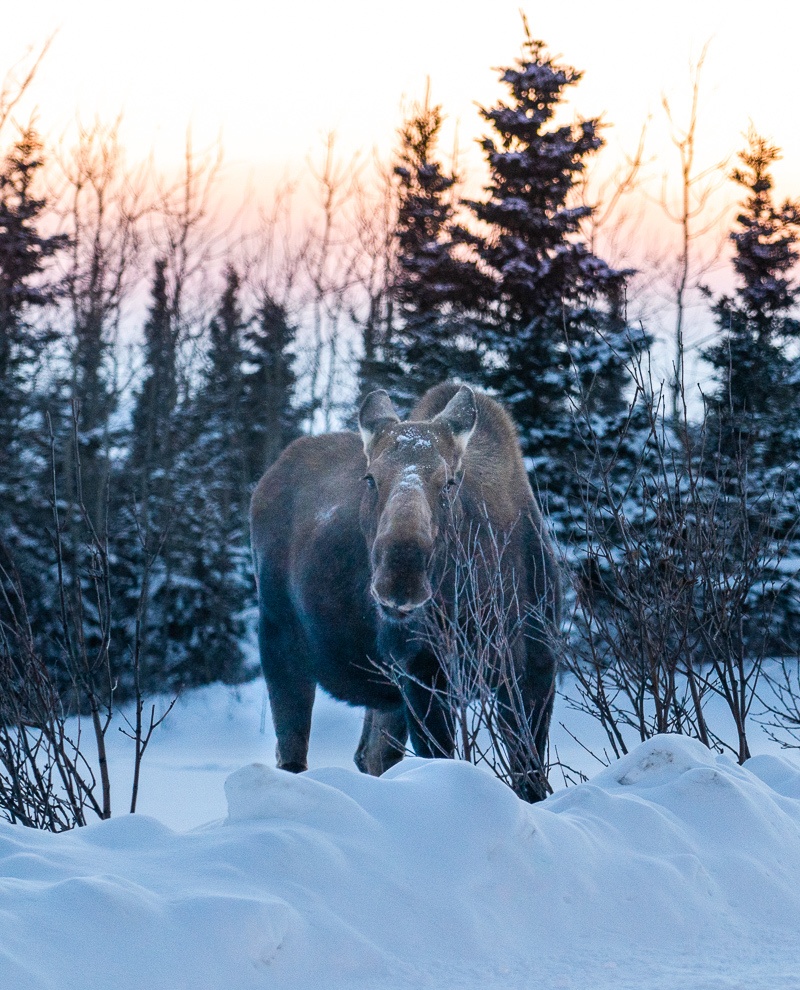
460, 416
376, 411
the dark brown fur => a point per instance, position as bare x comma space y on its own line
345, 567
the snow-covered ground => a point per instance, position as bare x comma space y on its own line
673, 868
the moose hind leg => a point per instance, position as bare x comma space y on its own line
430, 724
383, 740
525, 709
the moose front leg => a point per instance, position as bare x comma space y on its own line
291, 701
291, 690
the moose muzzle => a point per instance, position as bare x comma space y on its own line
400, 582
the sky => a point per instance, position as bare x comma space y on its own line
271, 80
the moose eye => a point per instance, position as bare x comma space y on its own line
371, 484
448, 490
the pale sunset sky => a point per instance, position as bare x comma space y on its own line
272, 79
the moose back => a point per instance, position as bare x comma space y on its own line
350, 547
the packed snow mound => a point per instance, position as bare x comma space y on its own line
261, 792
673, 868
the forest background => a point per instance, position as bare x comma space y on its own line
159, 346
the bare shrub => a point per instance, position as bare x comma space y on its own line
682, 570
17, 81
678, 581
780, 700
474, 632
47, 779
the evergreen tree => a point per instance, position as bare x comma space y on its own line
216, 583
757, 387
24, 291
152, 448
188, 478
271, 418
753, 449
431, 342
554, 332
148, 552
24, 254
90, 385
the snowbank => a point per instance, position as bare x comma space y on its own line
674, 868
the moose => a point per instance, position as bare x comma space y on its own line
350, 549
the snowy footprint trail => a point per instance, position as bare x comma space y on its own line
674, 868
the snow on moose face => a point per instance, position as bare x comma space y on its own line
412, 469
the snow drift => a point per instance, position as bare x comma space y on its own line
673, 868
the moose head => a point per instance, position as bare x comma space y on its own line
413, 472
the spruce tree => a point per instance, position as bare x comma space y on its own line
553, 332
24, 254
432, 287
25, 290
756, 393
272, 419
152, 448
216, 584
91, 389
753, 421
146, 490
